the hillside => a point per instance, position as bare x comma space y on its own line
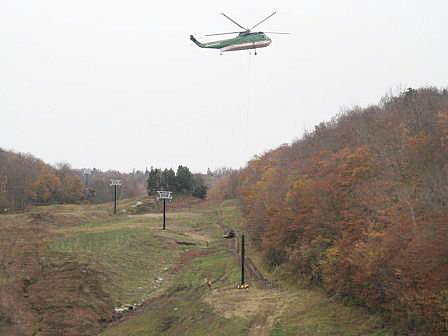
347, 236
26, 180
359, 207
74, 269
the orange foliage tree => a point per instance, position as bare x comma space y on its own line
359, 206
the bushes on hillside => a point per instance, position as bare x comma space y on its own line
360, 207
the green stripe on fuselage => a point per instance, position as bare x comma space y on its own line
257, 37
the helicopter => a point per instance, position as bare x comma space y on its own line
246, 39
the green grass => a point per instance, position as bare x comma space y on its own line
233, 218
218, 265
182, 311
132, 252
310, 313
231, 215
182, 314
131, 258
4, 277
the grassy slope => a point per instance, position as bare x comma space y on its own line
127, 251
48, 293
182, 311
134, 255
136, 261
190, 308
304, 311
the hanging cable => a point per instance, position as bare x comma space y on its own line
248, 109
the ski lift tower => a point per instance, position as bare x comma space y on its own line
164, 195
115, 183
86, 172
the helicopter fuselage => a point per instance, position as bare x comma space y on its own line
241, 42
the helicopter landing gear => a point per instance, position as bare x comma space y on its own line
256, 52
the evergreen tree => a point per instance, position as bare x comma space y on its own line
184, 180
200, 191
169, 181
153, 181
199, 187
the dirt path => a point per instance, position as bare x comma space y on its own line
258, 305
261, 303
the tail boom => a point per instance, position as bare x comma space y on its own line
199, 44
209, 45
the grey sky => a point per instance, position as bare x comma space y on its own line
117, 84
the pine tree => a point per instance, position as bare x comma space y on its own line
169, 181
153, 181
184, 180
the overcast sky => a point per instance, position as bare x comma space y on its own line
117, 84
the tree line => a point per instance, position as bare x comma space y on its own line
182, 181
359, 206
26, 180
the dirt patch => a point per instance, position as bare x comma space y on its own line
56, 299
76, 302
259, 306
42, 218
198, 237
102, 228
231, 302
6, 327
183, 202
149, 215
151, 205
41, 292
185, 258
53, 218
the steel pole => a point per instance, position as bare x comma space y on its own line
164, 215
115, 199
242, 259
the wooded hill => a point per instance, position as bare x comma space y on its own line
359, 206
26, 180
182, 182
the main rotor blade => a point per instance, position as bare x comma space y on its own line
276, 33
234, 22
222, 34
259, 23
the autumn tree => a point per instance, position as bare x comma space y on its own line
359, 206
46, 186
